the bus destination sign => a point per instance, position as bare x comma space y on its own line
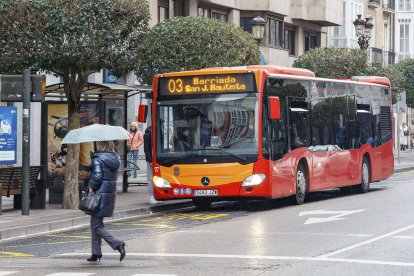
203, 84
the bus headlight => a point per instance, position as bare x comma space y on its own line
161, 182
254, 180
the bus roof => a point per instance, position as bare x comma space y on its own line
281, 71
372, 79
270, 69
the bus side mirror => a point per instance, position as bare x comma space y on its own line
142, 113
274, 108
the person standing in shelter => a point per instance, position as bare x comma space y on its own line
104, 173
404, 135
148, 158
134, 143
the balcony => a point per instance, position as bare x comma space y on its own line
323, 12
376, 56
389, 6
374, 3
391, 57
388, 58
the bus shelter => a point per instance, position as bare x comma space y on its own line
105, 103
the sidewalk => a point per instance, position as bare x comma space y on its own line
133, 203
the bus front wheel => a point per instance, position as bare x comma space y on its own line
301, 184
365, 176
202, 203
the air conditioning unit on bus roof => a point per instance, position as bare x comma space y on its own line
372, 79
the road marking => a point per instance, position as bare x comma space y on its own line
154, 275
160, 226
67, 236
37, 244
255, 257
178, 216
4, 273
13, 254
366, 242
70, 274
403, 237
337, 215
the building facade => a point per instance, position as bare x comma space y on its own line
292, 26
404, 29
382, 42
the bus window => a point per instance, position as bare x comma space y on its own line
364, 121
299, 124
278, 135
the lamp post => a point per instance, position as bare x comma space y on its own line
363, 30
258, 28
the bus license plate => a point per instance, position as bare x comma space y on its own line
206, 193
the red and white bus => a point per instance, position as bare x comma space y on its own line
267, 132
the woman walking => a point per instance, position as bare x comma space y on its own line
104, 173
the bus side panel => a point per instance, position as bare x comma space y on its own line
323, 171
387, 160
282, 177
347, 167
376, 163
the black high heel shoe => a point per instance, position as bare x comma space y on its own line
94, 258
121, 249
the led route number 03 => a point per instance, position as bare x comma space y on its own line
175, 85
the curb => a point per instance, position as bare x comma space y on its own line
82, 221
401, 170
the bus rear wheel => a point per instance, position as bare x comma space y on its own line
301, 184
365, 176
203, 204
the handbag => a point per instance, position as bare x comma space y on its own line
89, 202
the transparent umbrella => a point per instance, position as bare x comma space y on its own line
95, 132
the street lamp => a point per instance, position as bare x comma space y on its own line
258, 28
363, 30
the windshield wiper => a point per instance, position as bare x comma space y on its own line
242, 158
166, 161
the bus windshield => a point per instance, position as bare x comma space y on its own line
209, 129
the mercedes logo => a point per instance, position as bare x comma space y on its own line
205, 181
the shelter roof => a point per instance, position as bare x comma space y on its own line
97, 90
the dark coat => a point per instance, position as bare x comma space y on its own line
104, 173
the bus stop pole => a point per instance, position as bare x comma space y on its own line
26, 142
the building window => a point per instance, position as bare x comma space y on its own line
178, 6
221, 15
289, 41
246, 24
274, 35
405, 5
163, 10
404, 26
310, 40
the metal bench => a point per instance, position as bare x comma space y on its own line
11, 180
129, 167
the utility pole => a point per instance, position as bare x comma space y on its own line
26, 142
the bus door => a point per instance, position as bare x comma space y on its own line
323, 167
280, 167
343, 111
377, 151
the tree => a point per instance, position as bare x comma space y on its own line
406, 70
71, 38
189, 43
333, 62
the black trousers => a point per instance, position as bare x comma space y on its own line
99, 232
